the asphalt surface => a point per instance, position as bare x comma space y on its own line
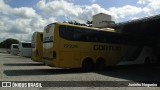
16, 68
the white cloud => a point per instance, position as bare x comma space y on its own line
85, 12
25, 12
21, 27
21, 22
3, 7
134, 18
59, 8
122, 12
70, 10
151, 6
25, 22
93, 0
143, 1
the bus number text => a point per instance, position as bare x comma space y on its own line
70, 46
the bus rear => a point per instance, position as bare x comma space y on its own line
37, 46
14, 49
49, 52
25, 49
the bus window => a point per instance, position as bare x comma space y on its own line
26, 45
77, 34
15, 46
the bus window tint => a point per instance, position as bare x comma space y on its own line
91, 35
15, 46
65, 33
70, 32
77, 33
26, 45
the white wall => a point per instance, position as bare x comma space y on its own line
101, 20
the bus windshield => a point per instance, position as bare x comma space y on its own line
26, 45
15, 46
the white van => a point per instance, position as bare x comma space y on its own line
14, 49
25, 49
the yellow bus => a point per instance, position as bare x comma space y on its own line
37, 46
71, 46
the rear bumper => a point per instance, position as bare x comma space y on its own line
49, 62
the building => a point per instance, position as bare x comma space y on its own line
102, 20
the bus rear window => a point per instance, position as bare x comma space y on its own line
26, 45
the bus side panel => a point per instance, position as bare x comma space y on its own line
111, 53
39, 48
115, 55
72, 53
70, 59
69, 54
56, 46
136, 56
33, 56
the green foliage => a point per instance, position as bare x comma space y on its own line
7, 43
75, 23
89, 23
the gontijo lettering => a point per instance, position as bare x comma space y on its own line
106, 47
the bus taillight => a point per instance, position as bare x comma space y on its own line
54, 54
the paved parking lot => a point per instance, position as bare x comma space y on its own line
16, 68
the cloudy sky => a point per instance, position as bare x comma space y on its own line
20, 18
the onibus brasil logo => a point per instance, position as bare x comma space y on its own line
21, 84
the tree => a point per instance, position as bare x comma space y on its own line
75, 23
89, 23
7, 43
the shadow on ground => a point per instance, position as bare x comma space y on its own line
40, 72
12, 57
23, 64
133, 72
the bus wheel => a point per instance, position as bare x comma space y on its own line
87, 65
100, 64
147, 61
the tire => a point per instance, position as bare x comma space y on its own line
147, 61
100, 64
87, 65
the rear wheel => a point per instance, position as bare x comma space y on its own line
87, 65
100, 64
147, 61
